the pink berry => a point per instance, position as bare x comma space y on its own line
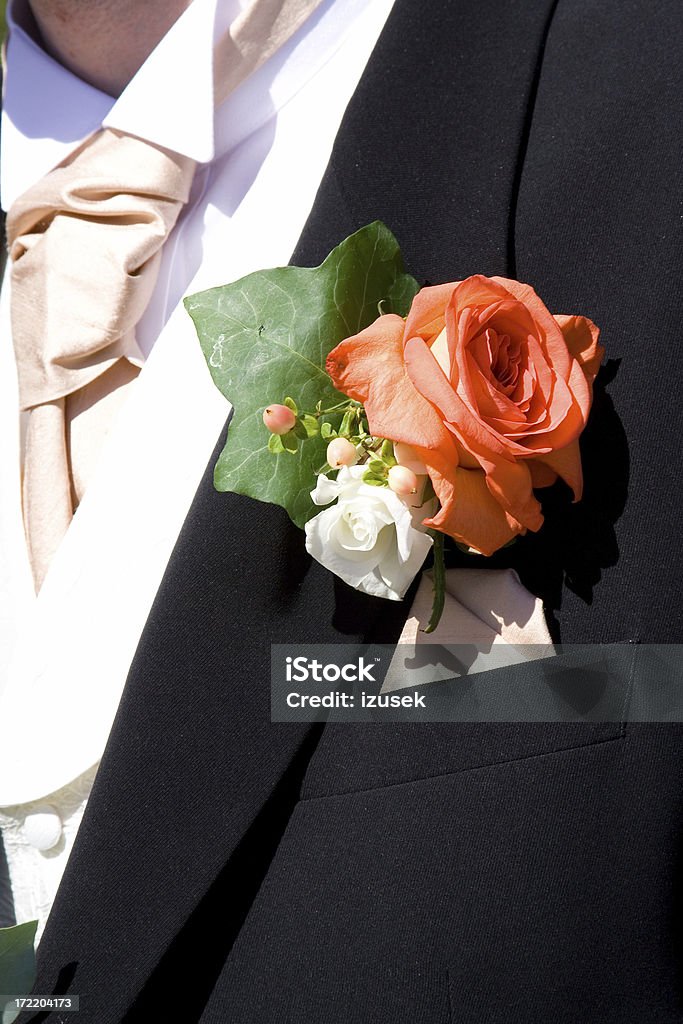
402, 480
341, 452
279, 419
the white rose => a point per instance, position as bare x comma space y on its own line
370, 538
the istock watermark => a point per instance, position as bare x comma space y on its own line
303, 669
475, 682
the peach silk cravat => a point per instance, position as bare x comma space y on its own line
85, 244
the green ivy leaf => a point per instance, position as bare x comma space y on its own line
401, 295
270, 333
17, 963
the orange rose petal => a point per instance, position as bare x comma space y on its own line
463, 428
557, 350
470, 513
478, 290
491, 401
545, 377
458, 328
430, 381
426, 316
581, 389
569, 414
510, 484
565, 462
541, 475
477, 431
465, 458
369, 368
581, 336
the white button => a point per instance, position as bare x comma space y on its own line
43, 828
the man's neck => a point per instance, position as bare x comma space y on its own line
104, 42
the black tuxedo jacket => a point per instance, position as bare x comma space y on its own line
232, 870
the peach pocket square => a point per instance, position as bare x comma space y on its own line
489, 621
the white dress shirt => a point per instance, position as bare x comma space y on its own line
65, 654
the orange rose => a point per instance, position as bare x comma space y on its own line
489, 388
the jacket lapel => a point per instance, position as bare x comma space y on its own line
433, 137
192, 758
196, 784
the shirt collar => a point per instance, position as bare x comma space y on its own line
48, 111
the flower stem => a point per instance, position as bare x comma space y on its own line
340, 407
439, 577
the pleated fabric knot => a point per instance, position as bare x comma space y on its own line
85, 243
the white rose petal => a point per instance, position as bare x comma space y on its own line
370, 538
325, 491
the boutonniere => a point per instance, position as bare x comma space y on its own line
386, 418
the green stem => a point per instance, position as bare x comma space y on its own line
372, 444
340, 407
439, 575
